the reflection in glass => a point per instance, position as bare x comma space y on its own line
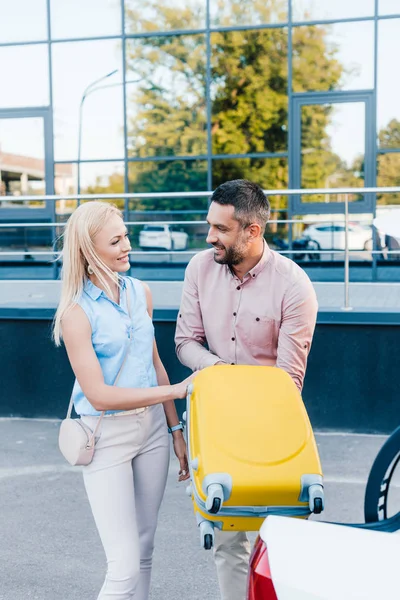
269, 173
249, 91
328, 57
315, 10
332, 147
388, 118
96, 178
22, 166
76, 66
388, 176
24, 76
74, 19
33, 25
166, 105
389, 7
229, 13
170, 176
152, 15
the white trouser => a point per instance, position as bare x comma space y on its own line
231, 556
125, 484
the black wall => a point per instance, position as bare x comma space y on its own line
351, 382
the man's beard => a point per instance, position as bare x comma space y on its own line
233, 256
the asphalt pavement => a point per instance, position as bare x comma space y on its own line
49, 547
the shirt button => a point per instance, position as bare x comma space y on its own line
233, 339
253, 275
232, 363
234, 314
257, 318
238, 287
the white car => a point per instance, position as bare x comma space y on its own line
332, 236
162, 237
311, 560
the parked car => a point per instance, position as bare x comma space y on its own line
310, 560
162, 237
332, 236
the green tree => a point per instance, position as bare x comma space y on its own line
389, 164
249, 97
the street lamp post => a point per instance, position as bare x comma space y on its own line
84, 95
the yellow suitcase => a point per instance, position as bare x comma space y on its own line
252, 451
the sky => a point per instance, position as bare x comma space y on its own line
24, 73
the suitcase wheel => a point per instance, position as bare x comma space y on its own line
216, 505
316, 498
215, 498
318, 506
206, 535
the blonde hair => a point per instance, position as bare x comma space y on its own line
78, 253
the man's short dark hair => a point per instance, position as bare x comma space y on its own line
249, 201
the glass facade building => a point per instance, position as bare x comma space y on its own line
111, 96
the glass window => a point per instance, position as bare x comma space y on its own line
388, 176
249, 91
229, 13
332, 147
327, 57
389, 7
24, 76
388, 119
85, 18
78, 66
152, 15
168, 176
102, 178
315, 10
33, 25
96, 178
22, 166
166, 107
269, 173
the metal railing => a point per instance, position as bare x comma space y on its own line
344, 193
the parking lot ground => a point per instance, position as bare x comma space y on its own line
49, 547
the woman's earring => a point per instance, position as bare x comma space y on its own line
90, 270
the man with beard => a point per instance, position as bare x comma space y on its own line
251, 306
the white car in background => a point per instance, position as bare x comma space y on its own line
331, 236
310, 560
162, 237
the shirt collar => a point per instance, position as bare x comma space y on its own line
95, 292
262, 262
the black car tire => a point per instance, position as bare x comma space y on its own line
383, 468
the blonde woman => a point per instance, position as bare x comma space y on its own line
125, 481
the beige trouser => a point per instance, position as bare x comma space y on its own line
125, 484
231, 556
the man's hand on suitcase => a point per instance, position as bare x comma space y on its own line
181, 454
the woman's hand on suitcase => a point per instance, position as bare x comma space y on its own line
181, 454
180, 389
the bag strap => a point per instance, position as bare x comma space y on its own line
71, 402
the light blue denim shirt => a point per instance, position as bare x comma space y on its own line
110, 337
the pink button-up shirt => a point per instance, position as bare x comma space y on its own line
266, 319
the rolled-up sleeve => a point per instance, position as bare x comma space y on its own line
299, 315
190, 337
